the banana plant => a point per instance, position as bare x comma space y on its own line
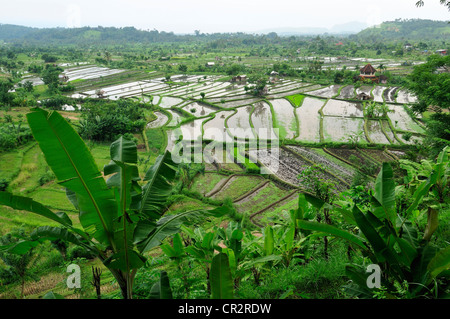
245, 253
177, 253
121, 217
202, 248
388, 240
429, 183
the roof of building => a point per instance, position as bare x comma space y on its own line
368, 69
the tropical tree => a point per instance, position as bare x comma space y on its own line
120, 218
390, 241
19, 265
429, 182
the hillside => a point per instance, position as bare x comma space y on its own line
408, 30
412, 30
12, 32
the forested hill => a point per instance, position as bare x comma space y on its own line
84, 35
412, 30
407, 30
10, 32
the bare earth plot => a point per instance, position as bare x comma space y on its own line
341, 169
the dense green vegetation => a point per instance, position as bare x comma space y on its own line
95, 186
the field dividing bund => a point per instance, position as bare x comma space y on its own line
110, 80
289, 201
290, 165
389, 94
260, 198
209, 183
379, 156
236, 186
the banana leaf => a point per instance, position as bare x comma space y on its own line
385, 194
74, 167
148, 235
161, 289
29, 205
331, 230
220, 278
160, 179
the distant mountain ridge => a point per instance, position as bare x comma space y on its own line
412, 29
345, 28
408, 30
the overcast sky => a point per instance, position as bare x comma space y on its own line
209, 16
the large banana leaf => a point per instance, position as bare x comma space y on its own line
331, 230
269, 242
124, 173
161, 289
149, 235
385, 194
382, 251
220, 277
160, 178
29, 205
440, 263
75, 168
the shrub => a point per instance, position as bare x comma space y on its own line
3, 184
47, 177
79, 252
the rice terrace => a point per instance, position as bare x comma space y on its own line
138, 164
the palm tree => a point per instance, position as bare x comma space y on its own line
120, 219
